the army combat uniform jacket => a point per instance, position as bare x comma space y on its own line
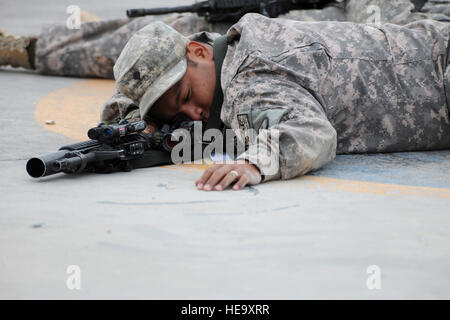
336, 87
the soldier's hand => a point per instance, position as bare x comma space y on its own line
151, 127
219, 176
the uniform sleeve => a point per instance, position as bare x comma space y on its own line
293, 135
119, 107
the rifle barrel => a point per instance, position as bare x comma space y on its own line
132, 13
42, 166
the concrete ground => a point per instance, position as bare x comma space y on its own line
150, 234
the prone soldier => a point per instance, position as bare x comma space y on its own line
325, 87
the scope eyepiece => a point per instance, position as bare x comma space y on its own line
93, 133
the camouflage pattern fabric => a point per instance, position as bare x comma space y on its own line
331, 13
396, 11
119, 107
153, 60
360, 11
436, 10
336, 87
379, 11
93, 50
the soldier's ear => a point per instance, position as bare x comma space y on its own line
199, 51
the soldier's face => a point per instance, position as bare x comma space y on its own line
191, 97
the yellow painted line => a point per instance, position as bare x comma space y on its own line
342, 185
77, 108
188, 167
385, 189
74, 109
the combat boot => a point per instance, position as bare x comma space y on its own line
17, 52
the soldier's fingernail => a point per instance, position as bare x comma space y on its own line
207, 187
219, 187
236, 187
200, 185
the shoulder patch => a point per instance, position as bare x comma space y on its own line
244, 126
243, 121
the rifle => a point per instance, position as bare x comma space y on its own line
117, 147
233, 10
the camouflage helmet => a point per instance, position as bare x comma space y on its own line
152, 61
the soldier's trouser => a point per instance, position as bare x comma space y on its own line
92, 50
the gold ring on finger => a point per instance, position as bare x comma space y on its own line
234, 173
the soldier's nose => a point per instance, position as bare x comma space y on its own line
195, 113
205, 115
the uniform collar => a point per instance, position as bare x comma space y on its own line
220, 47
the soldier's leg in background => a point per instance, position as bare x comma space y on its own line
93, 50
435, 10
63, 51
433, 6
20, 51
397, 11
379, 11
330, 13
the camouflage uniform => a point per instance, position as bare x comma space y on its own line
396, 11
360, 11
336, 87
93, 50
321, 87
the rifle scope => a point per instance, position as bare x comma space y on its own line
110, 132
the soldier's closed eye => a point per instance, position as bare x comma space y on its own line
188, 96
